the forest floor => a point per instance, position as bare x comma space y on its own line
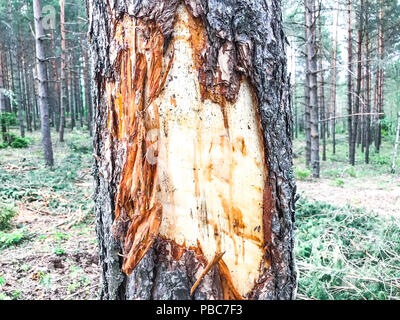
347, 226
366, 186
49, 250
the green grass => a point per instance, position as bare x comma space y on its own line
24, 178
56, 186
7, 212
346, 253
8, 239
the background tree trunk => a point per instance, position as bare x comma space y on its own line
63, 84
42, 88
333, 85
396, 144
307, 110
368, 85
191, 161
16, 70
349, 82
321, 86
356, 117
312, 77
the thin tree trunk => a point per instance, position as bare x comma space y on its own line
163, 214
349, 84
2, 96
307, 115
333, 85
42, 88
312, 71
396, 145
24, 87
88, 102
322, 87
380, 79
15, 74
63, 93
368, 86
70, 83
55, 84
6, 78
358, 87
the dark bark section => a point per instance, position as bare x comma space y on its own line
252, 33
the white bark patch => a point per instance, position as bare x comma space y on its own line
211, 177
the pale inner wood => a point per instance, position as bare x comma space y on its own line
211, 177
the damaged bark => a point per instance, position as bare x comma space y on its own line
193, 155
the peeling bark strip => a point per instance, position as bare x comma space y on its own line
192, 147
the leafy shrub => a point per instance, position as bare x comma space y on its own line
333, 173
13, 238
7, 212
339, 182
8, 118
58, 251
302, 174
79, 147
9, 137
14, 141
351, 172
381, 159
20, 143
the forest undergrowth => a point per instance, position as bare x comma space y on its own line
48, 245
348, 225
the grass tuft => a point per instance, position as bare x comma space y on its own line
346, 253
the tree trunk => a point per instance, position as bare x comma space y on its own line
2, 96
396, 145
333, 85
15, 74
380, 80
55, 86
349, 82
322, 87
307, 113
312, 72
358, 89
63, 84
24, 82
42, 88
70, 84
88, 102
193, 154
368, 86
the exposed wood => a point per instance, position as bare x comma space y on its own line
188, 121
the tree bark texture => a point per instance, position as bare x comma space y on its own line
321, 86
349, 83
16, 70
333, 84
312, 83
356, 119
42, 88
193, 151
63, 84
